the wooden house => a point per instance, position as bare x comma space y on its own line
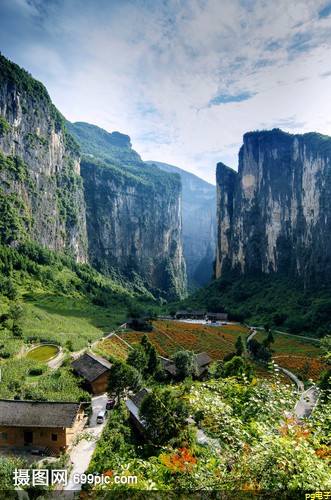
94, 370
40, 425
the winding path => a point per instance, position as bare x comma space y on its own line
307, 402
308, 398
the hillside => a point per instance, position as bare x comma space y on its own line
274, 299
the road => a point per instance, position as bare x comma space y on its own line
308, 398
81, 454
300, 385
306, 403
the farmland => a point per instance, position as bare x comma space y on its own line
169, 336
302, 357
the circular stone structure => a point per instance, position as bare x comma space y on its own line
43, 352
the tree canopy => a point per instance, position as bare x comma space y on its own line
122, 378
164, 416
186, 365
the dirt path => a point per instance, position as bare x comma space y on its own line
56, 362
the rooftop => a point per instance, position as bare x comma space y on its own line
38, 413
90, 366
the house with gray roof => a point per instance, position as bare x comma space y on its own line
202, 363
40, 424
94, 370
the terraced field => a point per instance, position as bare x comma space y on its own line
302, 357
169, 336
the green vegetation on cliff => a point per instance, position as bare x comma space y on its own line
114, 149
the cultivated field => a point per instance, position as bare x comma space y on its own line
169, 336
303, 357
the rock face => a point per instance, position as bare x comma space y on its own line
41, 193
274, 214
199, 225
132, 222
133, 212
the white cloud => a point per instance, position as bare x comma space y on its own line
157, 69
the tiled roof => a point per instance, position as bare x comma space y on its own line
90, 366
37, 413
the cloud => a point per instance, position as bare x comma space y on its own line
184, 78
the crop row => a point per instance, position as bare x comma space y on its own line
305, 366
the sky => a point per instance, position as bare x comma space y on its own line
185, 79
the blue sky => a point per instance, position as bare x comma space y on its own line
184, 78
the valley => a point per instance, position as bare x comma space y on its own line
99, 250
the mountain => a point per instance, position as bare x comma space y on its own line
133, 212
41, 190
273, 263
199, 224
108, 209
274, 214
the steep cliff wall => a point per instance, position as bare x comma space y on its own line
133, 212
41, 192
274, 215
199, 224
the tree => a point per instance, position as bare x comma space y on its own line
164, 416
121, 379
254, 345
264, 354
186, 365
237, 367
269, 340
146, 343
138, 359
239, 345
153, 362
325, 380
326, 346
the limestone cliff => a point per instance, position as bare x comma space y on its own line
41, 192
274, 215
199, 225
133, 212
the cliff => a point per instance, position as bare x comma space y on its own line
41, 192
133, 213
274, 215
199, 225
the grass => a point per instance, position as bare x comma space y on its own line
67, 321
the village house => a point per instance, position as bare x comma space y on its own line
94, 370
214, 317
190, 315
202, 363
138, 324
40, 425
